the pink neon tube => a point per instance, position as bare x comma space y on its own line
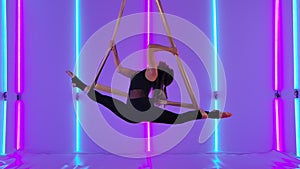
276, 44
276, 78
148, 124
19, 89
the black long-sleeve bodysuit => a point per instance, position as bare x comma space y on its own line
141, 109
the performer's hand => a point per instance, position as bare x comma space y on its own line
112, 44
159, 96
162, 102
174, 50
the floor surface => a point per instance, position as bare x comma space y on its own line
273, 160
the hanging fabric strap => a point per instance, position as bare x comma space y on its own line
113, 39
182, 71
194, 104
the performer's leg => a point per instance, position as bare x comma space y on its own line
169, 117
112, 104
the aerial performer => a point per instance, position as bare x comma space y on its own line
140, 107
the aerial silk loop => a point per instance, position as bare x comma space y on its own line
187, 83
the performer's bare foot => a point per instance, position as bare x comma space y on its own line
216, 114
70, 73
72, 76
76, 82
226, 114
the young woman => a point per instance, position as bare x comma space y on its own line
139, 107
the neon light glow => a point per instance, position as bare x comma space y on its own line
148, 124
216, 122
4, 80
4, 129
18, 108
277, 125
148, 127
296, 73
276, 77
148, 22
215, 66
77, 53
276, 42
215, 42
295, 42
297, 108
217, 162
19, 79
78, 161
4, 45
77, 149
19, 48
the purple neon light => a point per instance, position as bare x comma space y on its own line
18, 125
19, 48
276, 44
19, 79
277, 103
148, 22
148, 127
148, 124
278, 138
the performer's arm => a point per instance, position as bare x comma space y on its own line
157, 47
124, 71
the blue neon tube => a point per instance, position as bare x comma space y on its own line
296, 73
215, 66
77, 53
4, 80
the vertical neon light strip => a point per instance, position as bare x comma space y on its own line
276, 52
148, 124
278, 142
4, 129
215, 66
77, 50
4, 80
297, 107
295, 42
19, 79
18, 108
276, 76
296, 73
19, 47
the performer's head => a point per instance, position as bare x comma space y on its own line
164, 78
166, 74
